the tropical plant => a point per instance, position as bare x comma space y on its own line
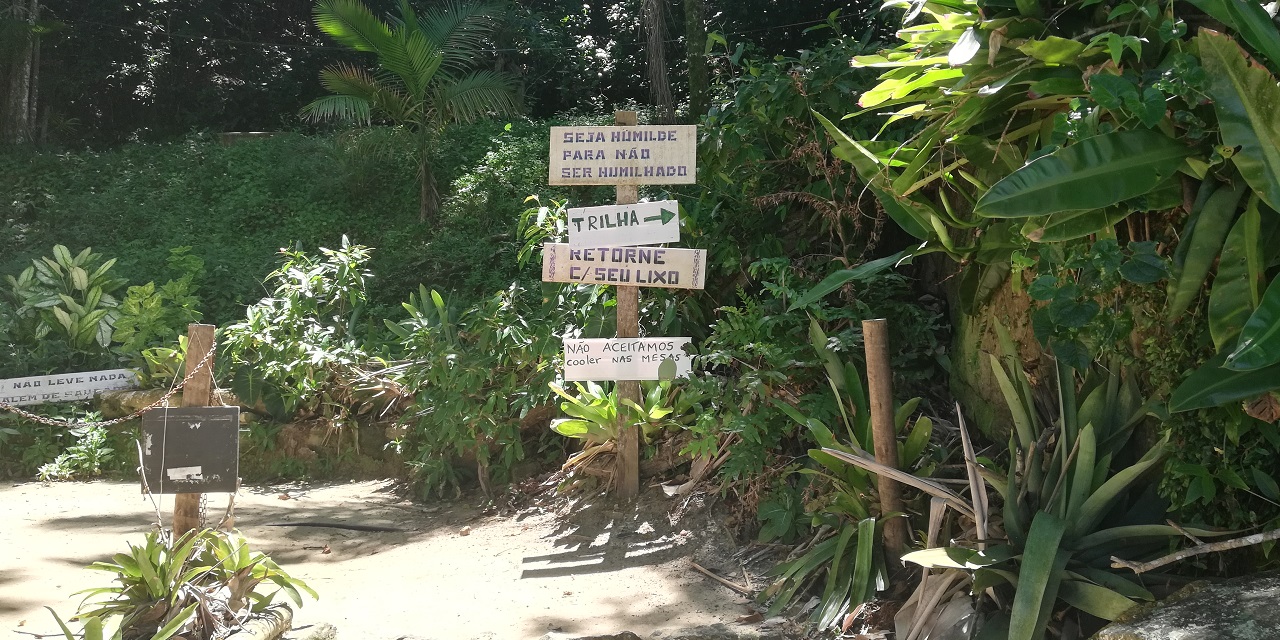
156, 316
1070, 503
845, 510
427, 73
67, 296
302, 342
199, 587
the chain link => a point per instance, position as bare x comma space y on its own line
163, 401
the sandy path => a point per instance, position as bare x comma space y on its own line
508, 577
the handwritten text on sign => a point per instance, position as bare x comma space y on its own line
64, 387
625, 224
648, 154
625, 358
630, 266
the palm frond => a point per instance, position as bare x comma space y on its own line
477, 94
348, 80
460, 29
338, 107
351, 23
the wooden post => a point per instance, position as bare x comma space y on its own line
875, 340
197, 393
626, 470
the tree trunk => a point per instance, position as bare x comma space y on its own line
695, 35
17, 123
429, 204
655, 27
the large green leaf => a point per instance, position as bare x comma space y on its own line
1212, 223
1211, 385
1259, 344
1093, 599
1249, 20
838, 279
1247, 102
909, 214
1038, 577
1231, 300
1093, 173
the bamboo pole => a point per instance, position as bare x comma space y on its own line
198, 392
627, 461
875, 338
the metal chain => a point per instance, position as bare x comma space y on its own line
163, 401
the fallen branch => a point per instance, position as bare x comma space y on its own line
1225, 545
740, 589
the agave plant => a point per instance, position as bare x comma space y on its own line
1068, 507
163, 590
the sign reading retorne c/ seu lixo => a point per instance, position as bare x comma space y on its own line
625, 359
64, 387
633, 266
648, 154
624, 224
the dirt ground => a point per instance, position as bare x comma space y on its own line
450, 572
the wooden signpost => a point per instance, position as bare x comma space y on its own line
197, 393
625, 155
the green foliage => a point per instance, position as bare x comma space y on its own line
196, 586
294, 348
85, 458
61, 311
595, 412
476, 372
1069, 504
152, 316
427, 74
759, 352
1072, 321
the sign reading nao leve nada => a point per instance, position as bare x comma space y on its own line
64, 387
625, 359
625, 224
631, 266
646, 154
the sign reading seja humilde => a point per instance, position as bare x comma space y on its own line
625, 224
625, 359
646, 154
64, 387
631, 266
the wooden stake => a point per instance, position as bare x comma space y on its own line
875, 340
626, 471
197, 393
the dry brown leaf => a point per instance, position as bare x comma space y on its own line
750, 618
326, 549
1265, 408
465, 531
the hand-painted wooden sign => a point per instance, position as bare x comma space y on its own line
625, 359
625, 224
64, 387
647, 154
191, 450
631, 266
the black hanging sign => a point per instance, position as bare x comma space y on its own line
191, 450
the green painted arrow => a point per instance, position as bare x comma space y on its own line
665, 216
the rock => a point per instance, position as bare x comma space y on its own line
721, 631
1242, 608
322, 631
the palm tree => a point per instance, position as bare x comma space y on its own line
426, 76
